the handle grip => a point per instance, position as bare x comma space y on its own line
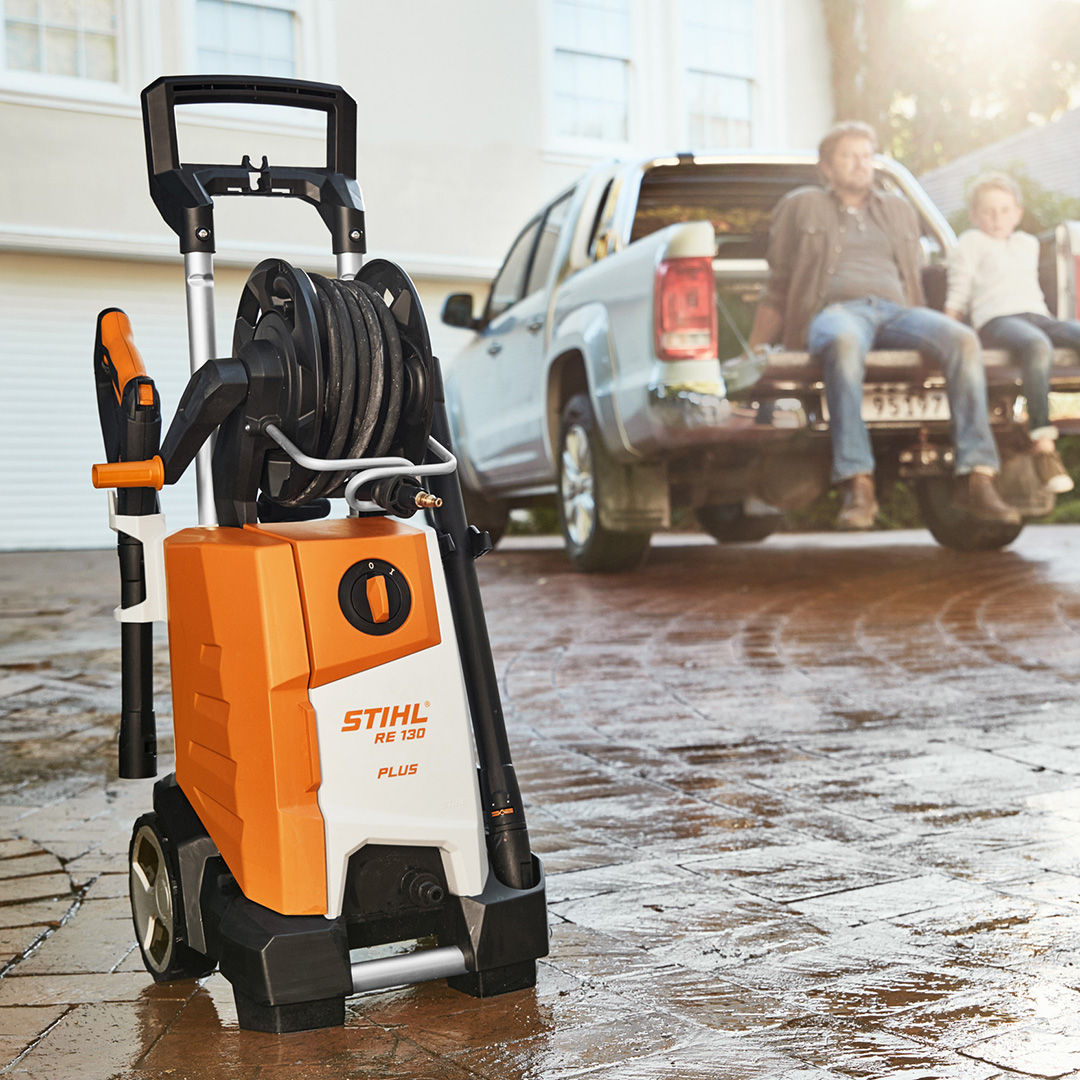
183, 192
129, 474
162, 96
116, 353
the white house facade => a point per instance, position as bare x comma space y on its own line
471, 114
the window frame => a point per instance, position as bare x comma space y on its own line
684, 68
315, 52
75, 88
564, 198
292, 7
537, 222
577, 145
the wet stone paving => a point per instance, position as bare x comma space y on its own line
808, 808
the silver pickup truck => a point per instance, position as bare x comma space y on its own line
597, 374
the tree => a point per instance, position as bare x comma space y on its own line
939, 79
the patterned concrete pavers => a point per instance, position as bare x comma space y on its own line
809, 809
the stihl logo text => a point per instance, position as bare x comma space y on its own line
389, 723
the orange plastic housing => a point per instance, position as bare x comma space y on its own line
336, 648
253, 622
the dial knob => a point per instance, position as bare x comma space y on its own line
374, 596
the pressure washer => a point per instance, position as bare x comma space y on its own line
344, 813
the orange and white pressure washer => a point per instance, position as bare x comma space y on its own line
343, 778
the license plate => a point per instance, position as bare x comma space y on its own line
899, 405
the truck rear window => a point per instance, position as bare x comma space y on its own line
737, 199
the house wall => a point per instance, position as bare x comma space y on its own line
455, 152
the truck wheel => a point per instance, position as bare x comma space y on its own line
157, 907
488, 515
730, 524
951, 527
583, 462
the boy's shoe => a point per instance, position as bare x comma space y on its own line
1051, 471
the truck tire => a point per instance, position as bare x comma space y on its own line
583, 462
157, 906
729, 524
953, 528
487, 514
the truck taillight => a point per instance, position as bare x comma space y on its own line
684, 319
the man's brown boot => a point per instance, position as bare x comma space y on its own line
977, 497
859, 507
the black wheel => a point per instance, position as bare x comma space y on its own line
583, 465
488, 515
953, 528
730, 524
157, 907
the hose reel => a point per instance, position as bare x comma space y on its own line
338, 370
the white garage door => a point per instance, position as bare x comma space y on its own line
50, 435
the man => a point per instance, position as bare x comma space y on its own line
844, 264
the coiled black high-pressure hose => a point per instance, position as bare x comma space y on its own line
357, 382
363, 386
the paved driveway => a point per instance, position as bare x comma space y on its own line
809, 809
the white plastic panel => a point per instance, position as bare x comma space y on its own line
398, 762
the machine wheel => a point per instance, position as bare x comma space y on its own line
730, 524
951, 527
583, 462
487, 514
157, 907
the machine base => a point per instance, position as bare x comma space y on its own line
293, 972
495, 981
276, 1019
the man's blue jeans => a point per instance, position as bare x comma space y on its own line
842, 334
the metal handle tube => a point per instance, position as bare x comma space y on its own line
202, 345
349, 264
420, 966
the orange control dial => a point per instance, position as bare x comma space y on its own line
378, 601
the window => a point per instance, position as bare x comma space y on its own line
591, 69
718, 46
545, 246
71, 38
506, 289
238, 38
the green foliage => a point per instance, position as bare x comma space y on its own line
536, 521
940, 79
899, 510
1067, 510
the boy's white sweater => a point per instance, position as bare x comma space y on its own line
989, 277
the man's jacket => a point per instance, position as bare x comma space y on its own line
805, 246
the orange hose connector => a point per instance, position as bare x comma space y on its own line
129, 474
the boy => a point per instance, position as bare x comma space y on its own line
994, 277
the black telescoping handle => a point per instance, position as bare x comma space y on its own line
183, 192
507, 831
139, 439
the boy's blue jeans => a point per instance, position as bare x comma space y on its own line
1030, 340
842, 334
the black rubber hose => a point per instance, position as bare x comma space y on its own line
361, 390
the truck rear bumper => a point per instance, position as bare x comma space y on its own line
788, 399
695, 414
